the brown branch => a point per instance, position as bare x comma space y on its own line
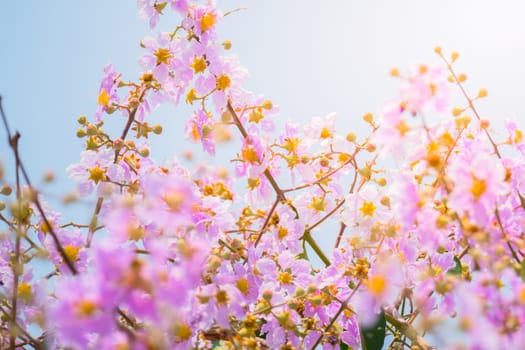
266, 221
13, 143
406, 329
267, 174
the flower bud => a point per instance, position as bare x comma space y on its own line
365, 172
370, 147
316, 300
311, 289
82, 120
351, 137
134, 102
226, 117
299, 292
227, 44
206, 131
457, 111
157, 129
6, 190
110, 109
267, 295
369, 118
91, 130
21, 211
437, 50
454, 56
482, 93
144, 152
118, 144
2, 205
49, 176
267, 104
81, 133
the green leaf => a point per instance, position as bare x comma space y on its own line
373, 337
343, 346
215, 343
456, 270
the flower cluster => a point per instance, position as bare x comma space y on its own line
427, 214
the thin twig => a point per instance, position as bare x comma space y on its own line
34, 194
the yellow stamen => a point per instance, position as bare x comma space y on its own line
103, 98
223, 82
97, 174
199, 65
478, 187
368, 208
377, 284
207, 21
163, 56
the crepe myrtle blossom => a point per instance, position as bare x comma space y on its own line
428, 87
200, 128
286, 236
515, 135
53, 218
108, 91
169, 202
405, 198
95, 168
479, 182
81, 308
363, 208
320, 128
73, 242
87, 304
152, 9
253, 159
382, 286
202, 20
159, 57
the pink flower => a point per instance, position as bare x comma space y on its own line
94, 169
320, 128
428, 87
478, 182
73, 243
405, 199
200, 128
108, 91
80, 310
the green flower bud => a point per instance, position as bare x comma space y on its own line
91, 130
267, 104
267, 295
81, 132
365, 172
6, 190
157, 129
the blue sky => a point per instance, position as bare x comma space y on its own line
309, 57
